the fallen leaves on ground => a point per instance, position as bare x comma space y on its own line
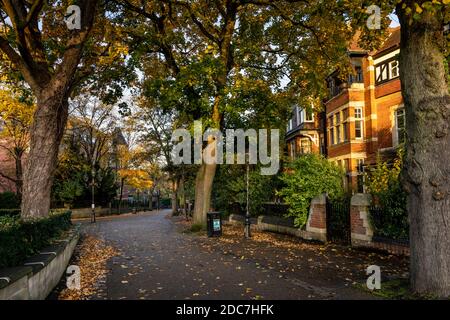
91, 255
291, 256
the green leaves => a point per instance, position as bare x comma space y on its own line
383, 182
21, 239
307, 177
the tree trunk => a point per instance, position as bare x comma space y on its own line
427, 166
183, 195
174, 196
203, 190
19, 173
46, 133
206, 173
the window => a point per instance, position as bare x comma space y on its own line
331, 87
360, 177
381, 73
309, 116
292, 150
394, 69
360, 165
338, 124
289, 127
357, 77
387, 71
338, 134
297, 114
346, 165
344, 131
305, 146
304, 116
358, 123
400, 125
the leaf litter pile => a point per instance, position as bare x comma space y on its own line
91, 255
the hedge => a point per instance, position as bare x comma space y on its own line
9, 200
9, 212
20, 239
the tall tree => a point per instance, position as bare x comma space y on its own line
424, 63
57, 62
212, 48
50, 79
156, 127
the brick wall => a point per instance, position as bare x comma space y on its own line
316, 225
319, 217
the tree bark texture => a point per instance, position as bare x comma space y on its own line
46, 134
426, 174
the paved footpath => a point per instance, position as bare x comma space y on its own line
157, 261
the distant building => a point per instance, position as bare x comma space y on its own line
305, 133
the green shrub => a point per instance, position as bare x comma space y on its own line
230, 189
307, 177
20, 239
165, 202
9, 200
9, 212
383, 182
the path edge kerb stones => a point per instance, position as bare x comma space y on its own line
41, 273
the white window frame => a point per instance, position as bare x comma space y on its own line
359, 119
391, 68
289, 125
306, 118
395, 135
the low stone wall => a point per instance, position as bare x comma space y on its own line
315, 228
40, 273
397, 249
86, 212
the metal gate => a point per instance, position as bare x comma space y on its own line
338, 221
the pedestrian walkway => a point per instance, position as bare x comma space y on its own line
157, 261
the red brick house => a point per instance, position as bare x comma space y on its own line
363, 117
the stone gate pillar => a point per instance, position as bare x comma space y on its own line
361, 229
317, 220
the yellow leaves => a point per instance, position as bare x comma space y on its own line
16, 117
91, 255
136, 178
419, 10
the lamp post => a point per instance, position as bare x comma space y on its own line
247, 213
93, 220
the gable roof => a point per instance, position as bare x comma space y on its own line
391, 43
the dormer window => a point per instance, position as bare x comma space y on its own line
387, 70
305, 116
309, 116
